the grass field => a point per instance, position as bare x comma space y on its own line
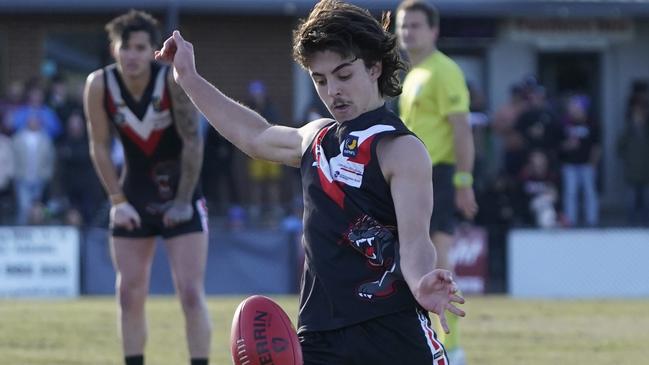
496, 331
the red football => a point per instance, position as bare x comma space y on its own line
262, 334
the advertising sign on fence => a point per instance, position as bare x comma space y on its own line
39, 262
469, 256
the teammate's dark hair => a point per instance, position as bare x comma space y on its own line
432, 15
121, 27
350, 31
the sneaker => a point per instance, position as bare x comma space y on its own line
456, 357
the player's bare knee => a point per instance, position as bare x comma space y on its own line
131, 297
191, 297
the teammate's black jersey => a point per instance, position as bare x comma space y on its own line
152, 146
350, 234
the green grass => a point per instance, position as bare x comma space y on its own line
497, 330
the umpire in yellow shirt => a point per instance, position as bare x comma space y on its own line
434, 104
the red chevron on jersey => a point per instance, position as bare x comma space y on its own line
349, 165
329, 186
146, 132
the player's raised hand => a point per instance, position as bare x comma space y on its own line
180, 53
177, 213
124, 215
436, 292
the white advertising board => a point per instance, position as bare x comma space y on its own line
39, 262
579, 263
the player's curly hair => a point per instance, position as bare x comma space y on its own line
122, 26
350, 31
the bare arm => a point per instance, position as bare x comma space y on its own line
121, 212
186, 121
99, 133
412, 193
463, 142
464, 159
240, 125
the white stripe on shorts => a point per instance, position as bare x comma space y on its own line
436, 348
201, 208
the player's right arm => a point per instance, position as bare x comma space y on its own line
242, 126
122, 213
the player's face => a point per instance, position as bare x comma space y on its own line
414, 32
345, 85
134, 56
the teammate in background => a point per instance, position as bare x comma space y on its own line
435, 106
367, 285
157, 194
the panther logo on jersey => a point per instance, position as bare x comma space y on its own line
378, 244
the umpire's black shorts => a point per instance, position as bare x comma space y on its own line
400, 338
443, 218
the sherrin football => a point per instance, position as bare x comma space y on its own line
262, 334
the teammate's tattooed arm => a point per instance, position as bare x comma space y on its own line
187, 124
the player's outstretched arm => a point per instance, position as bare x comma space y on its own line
240, 125
412, 193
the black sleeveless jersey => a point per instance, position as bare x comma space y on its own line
352, 269
152, 146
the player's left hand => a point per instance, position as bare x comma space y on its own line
465, 202
436, 292
178, 212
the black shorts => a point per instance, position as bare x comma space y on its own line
399, 338
443, 218
152, 225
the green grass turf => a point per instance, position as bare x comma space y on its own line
497, 330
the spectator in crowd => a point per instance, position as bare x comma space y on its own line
6, 178
540, 191
217, 176
265, 176
12, 100
60, 99
538, 124
579, 155
35, 106
34, 158
509, 142
633, 150
80, 184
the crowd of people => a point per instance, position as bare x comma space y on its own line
544, 149
47, 176
548, 150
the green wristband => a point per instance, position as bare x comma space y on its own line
462, 180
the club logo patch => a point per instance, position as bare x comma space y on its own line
350, 148
119, 118
157, 103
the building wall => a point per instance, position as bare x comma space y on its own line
230, 50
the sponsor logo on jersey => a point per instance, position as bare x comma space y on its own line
351, 146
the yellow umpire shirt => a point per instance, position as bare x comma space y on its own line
432, 90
